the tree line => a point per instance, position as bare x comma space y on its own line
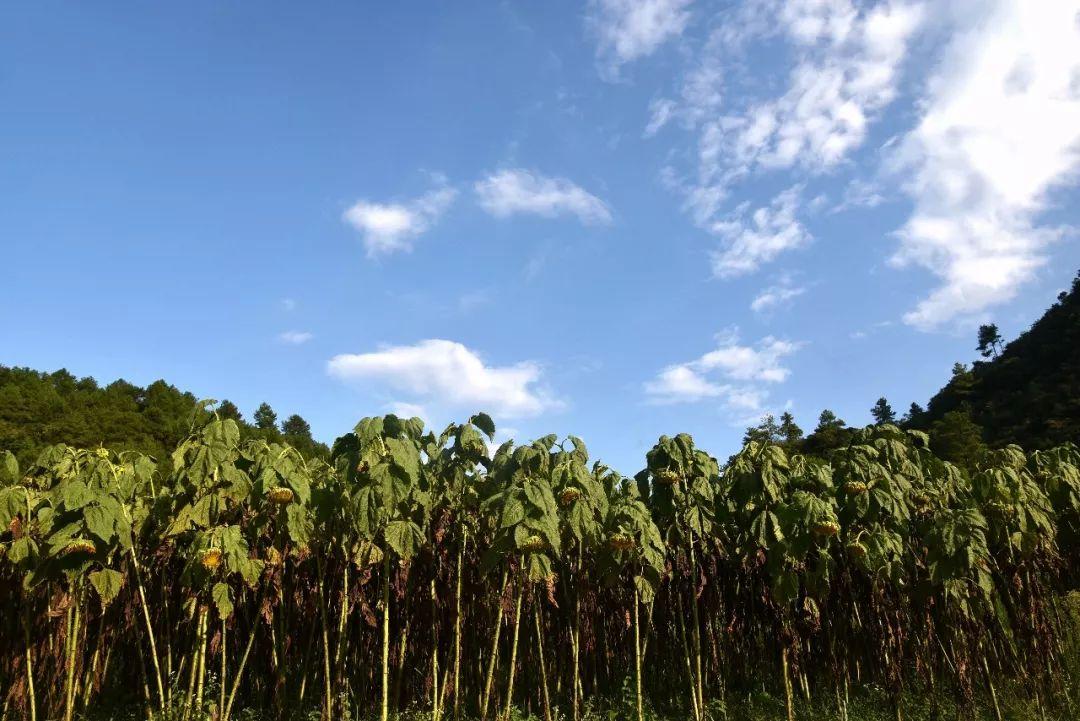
1024, 392
39, 409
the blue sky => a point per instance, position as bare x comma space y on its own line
615, 219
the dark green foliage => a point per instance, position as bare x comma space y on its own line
265, 418
228, 409
957, 439
1029, 393
831, 433
883, 412
767, 431
790, 432
989, 341
914, 416
39, 409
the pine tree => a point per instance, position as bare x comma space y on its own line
296, 427
831, 432
914, 416
989, 341
789, 431
265, 418
228, 409
765, 432
883, 412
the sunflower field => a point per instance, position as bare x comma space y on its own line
430, 572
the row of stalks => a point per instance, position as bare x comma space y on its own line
432, 572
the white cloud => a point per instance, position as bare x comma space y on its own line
776, 295
1000, 130
661, 110
859, 194
766, 233
288, 304
508, 192
391, 227
734, 374
448, 374
682, 383
848, 71
295, 337
848, 61
626, 30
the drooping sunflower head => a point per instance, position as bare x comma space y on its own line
210, 558
569, 495
534, 544
856, 550
79, 547
281, 496
667, 477
826, 529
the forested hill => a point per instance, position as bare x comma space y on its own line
38, 409
1027, 391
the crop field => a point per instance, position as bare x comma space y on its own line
416, 575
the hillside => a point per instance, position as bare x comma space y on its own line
1029, 393
38, 409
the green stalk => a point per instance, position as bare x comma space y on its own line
513, 656
243, 662
575, 644
193, 672
386, 639
224, 667
202, 662
89, 673
486, 698
29, 659
403, 640
457, 622
637, 658
696, 636
787, 685
543, 666
435, 710
73, 645
993, 692
328, 689
149, 625
686, 657
339, 649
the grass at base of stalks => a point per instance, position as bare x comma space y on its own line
866, 704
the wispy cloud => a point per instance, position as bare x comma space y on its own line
760, 237
1000, 130
509, 192
859, 194
776, 295
288, 304
661, 110
295, 337
626, 30
848, 62
449, 375
733, 374
391, 227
